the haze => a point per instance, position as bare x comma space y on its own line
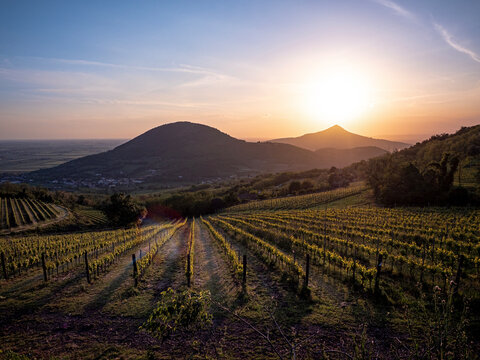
399, 70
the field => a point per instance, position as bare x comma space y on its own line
19, 156
22, 213
372, 284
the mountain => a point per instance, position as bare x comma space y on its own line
185, 151
338, 138
343, 157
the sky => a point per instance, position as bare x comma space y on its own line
400, 70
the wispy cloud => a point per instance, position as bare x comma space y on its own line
454, 44
399, 10
179, 69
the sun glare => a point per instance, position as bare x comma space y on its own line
338, 97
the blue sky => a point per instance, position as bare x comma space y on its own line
114, 69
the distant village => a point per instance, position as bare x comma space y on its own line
96, 182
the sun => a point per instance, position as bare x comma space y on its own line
338, 96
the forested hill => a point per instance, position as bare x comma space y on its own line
464, 144
443, 170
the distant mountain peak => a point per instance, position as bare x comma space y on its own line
335, 129
337, 137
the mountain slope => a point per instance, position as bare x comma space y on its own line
428, 172
193, 152
465, 144
338, 138
343, 157
184, 150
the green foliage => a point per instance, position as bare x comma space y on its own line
397, 183
188, 204
187, 310
361, 348
442, 327
10, 355
424, 174
123, 211
301, 201
63, 198
26, 191
235, 263
294, 187
338, 178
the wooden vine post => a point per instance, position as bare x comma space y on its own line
307, 271
459, 274
44, 267
188, 270
244, 279
377, 275
135, 270
4, 266
354, 265
87, 270
423, 261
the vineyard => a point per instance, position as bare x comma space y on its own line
60, 253
91, 216
326, 273
17, 212
387, 250
302, 201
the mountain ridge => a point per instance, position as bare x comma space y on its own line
339, 138
186, 151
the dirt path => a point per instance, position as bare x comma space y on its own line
172, 266
211, 271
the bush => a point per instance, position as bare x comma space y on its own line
187, 310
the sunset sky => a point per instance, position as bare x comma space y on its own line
254, 69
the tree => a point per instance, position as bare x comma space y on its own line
403, 186
294, 186
337, 178
123, 211
444, 172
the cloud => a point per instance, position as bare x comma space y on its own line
179, 69
451, 41
396, 8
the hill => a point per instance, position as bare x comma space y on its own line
190, 152
344, 157
338, 138
443, 170
183, 151
465, 144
